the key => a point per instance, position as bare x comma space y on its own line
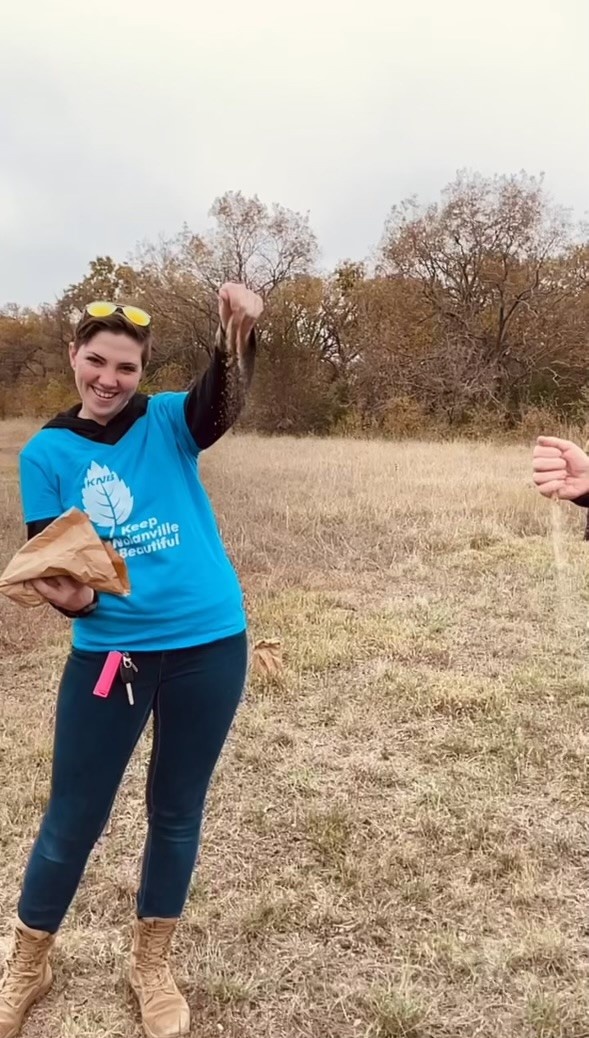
128, 671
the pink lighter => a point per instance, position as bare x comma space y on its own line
108, 674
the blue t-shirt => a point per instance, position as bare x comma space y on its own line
144, 495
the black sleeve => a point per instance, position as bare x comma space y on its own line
38, 526
582, 501
216, 400
32, 530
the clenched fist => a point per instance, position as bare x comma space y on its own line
561, 469
64, 592
239, 309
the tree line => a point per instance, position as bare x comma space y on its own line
471, 318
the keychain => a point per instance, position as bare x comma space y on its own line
128, 671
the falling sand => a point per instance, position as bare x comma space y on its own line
571, 612
560, 560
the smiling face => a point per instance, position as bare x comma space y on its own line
107, 370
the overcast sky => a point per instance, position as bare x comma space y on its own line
120, 126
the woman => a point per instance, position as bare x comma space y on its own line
178, 641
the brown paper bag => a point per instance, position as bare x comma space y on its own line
69, 546
267, 658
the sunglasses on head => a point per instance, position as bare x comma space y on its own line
100, 308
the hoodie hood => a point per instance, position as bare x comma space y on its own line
111, 432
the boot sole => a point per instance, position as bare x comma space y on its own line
28, 1006
177, 1034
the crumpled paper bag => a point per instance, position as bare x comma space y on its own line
69, 546
267, 658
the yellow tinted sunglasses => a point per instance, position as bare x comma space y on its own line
100, 308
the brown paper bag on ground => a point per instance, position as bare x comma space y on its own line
267, 658
69, 546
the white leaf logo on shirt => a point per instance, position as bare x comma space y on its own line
107, 500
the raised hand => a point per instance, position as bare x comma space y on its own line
560, 468
239, 309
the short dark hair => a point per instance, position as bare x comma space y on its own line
87, 327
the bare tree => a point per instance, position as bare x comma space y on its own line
494, 263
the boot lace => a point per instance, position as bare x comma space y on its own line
152, 963
21, 969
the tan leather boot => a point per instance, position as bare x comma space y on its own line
27, 977
164, 1011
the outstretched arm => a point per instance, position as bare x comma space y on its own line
216, 400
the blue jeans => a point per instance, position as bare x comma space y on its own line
193, 694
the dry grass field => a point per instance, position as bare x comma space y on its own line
396, 842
